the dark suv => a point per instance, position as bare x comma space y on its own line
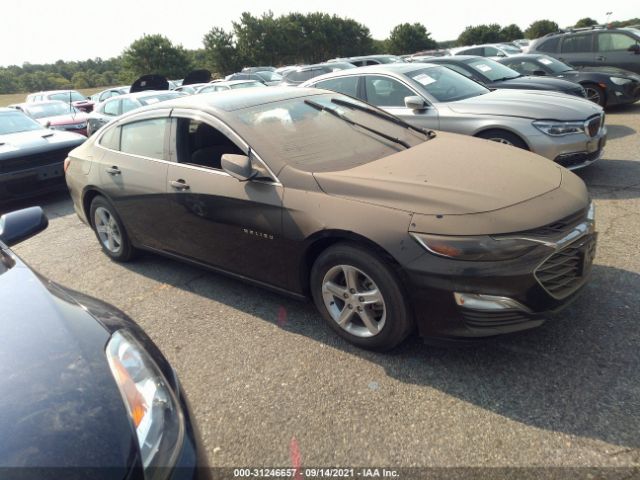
598, 46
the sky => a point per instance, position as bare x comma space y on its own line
43, 31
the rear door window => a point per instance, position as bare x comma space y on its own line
386, 92
145, 138
615, 42
577, 43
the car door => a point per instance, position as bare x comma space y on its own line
578, 49
133, 174
617, 49
389, 93
216, 219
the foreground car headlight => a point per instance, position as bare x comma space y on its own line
481, 248
557, 129
620, 80
152, 405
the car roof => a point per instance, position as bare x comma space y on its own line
228, 82
144, 93
460, 58
40, 102
49, 92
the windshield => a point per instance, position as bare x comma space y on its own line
295, 133
492, 70
556, 66
15, 122
336, 66
161, 97
269, 76
247, 85
65, 96
510, 49
50, 110
445, 85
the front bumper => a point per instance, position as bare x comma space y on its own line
624, 94
506, 296
572, 151
32, 181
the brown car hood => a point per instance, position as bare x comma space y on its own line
448, 175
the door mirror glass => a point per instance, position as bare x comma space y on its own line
238, 166
22, 224
415, 103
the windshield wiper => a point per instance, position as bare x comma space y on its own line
506, 78
385, 116
335, 113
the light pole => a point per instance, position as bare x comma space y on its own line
608, 15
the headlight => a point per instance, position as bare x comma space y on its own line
152, 405
557, 129
620, 80
481, 248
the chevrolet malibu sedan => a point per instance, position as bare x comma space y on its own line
85, 392
388, 227
568, 130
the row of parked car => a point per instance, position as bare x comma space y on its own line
353, 195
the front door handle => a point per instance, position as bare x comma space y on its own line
113, 170
179, 184
601, 58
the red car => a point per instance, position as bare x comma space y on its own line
69, 96
57, 115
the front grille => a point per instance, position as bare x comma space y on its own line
480, 319
575, 159
566, 270
26, 162
593, 126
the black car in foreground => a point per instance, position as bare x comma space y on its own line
605, 86
31, 156
85, 392
495, 75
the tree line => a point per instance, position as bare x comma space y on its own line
294, 38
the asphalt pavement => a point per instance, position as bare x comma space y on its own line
271, 385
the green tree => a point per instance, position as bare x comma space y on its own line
8, 83
156, 54
510, 33
220, 52
478, 34
410, 38
585, 22
540, 28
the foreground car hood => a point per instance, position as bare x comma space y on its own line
60, 406
537, 83
38, 140
533, 104
450, 174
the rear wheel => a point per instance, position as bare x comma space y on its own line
504, 137
110, 231
595, 94
360, 297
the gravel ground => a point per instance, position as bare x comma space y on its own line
268, 381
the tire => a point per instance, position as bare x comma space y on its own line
376, 295
595, 94
502, 136
110, 231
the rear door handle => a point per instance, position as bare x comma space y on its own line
113, 170
179, 184
601, 58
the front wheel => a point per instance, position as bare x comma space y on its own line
504, 137
110, 231
360, 297
595, 94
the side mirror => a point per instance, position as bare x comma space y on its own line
415, 103
22, 224
635, 48
48, 124
539, 73
238, 166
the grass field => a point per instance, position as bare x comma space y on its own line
12, 98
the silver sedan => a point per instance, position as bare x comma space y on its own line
565, 129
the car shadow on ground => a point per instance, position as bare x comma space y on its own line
619, 131
577, 374
54, 204
612, 179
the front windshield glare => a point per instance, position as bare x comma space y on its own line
445, 85
556, 66
269, 76
15, 122
51, 110
492, 70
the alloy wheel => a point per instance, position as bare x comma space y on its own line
592, 95
108, 230
354, 301
504, 141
